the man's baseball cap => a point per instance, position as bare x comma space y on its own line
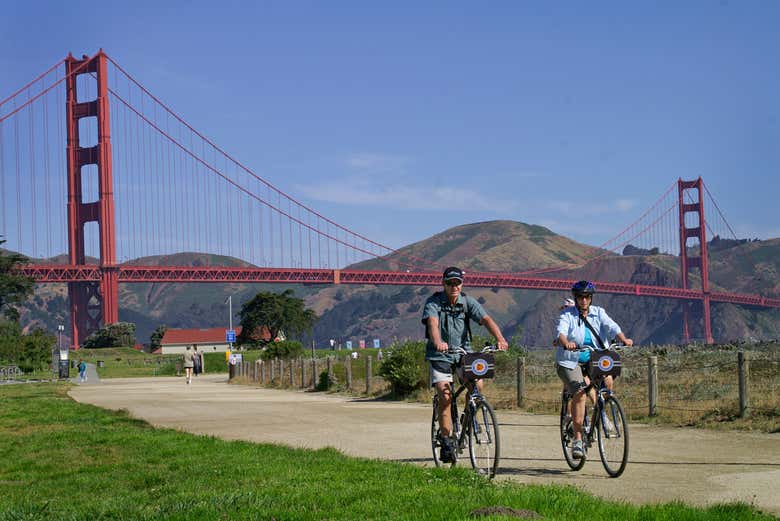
453, 272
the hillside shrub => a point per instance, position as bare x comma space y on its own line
121, 334
286, 349
405, 368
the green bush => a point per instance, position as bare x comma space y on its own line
405, 368
31, 352
286, 349
121, 334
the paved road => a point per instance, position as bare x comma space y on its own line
694, 466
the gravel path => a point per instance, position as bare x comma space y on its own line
697, 467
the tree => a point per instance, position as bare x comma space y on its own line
121, 334
157, 335
31, 352
14, 287
279, 313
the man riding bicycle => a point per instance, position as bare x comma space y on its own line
583, 326
447, 315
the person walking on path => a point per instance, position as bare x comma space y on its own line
82, 367
189, 363
197, 361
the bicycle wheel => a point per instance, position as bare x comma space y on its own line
567, 435
484, 442
613, 441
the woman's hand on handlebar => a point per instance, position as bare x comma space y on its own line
442, 347
502, 345
570, 346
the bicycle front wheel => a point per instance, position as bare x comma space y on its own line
484, 442
613, 437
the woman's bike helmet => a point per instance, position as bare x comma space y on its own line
583, 287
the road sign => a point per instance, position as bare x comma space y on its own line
230, 335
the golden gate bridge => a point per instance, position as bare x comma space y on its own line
92, 163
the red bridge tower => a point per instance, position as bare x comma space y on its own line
91, 303
694, 228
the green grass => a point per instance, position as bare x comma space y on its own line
68, 461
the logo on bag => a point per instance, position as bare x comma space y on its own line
479, 367
605, 363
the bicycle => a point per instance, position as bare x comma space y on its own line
612, 439
476, 426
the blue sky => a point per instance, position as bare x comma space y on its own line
401, 119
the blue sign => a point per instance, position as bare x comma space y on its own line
230, 335
349, 345
376, 343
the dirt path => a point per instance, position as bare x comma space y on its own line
693, 466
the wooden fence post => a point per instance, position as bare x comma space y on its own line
303, 373
743, 366
368, 374
348, 369
281, 372
520, 380
313, 373
652, 384
292, 373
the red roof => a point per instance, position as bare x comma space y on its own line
214, 335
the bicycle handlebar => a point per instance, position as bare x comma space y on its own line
611, 347
461, 351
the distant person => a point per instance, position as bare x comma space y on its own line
447, 315
577, 328
82, 367
197, 361
189, 363
379, 355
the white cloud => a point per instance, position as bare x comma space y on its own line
401, 196
381, 180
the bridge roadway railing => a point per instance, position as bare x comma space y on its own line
65, 273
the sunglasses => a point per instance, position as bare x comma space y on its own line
453, 282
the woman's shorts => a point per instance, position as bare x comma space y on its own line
571, 378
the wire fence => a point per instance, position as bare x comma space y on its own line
677, 385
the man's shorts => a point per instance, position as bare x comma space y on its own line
572, 378
441, 371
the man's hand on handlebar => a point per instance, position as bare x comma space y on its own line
442, 347
571, 346
502, 345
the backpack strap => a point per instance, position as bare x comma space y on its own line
587, 324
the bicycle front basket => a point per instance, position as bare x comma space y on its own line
603, 363
478, 365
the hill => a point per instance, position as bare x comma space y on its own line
393, 312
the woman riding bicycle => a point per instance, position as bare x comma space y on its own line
574, 335
447, 317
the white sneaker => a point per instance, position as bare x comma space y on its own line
576, 449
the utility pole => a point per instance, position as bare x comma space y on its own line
229, 302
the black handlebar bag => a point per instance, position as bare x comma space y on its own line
478, 365
604, 363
